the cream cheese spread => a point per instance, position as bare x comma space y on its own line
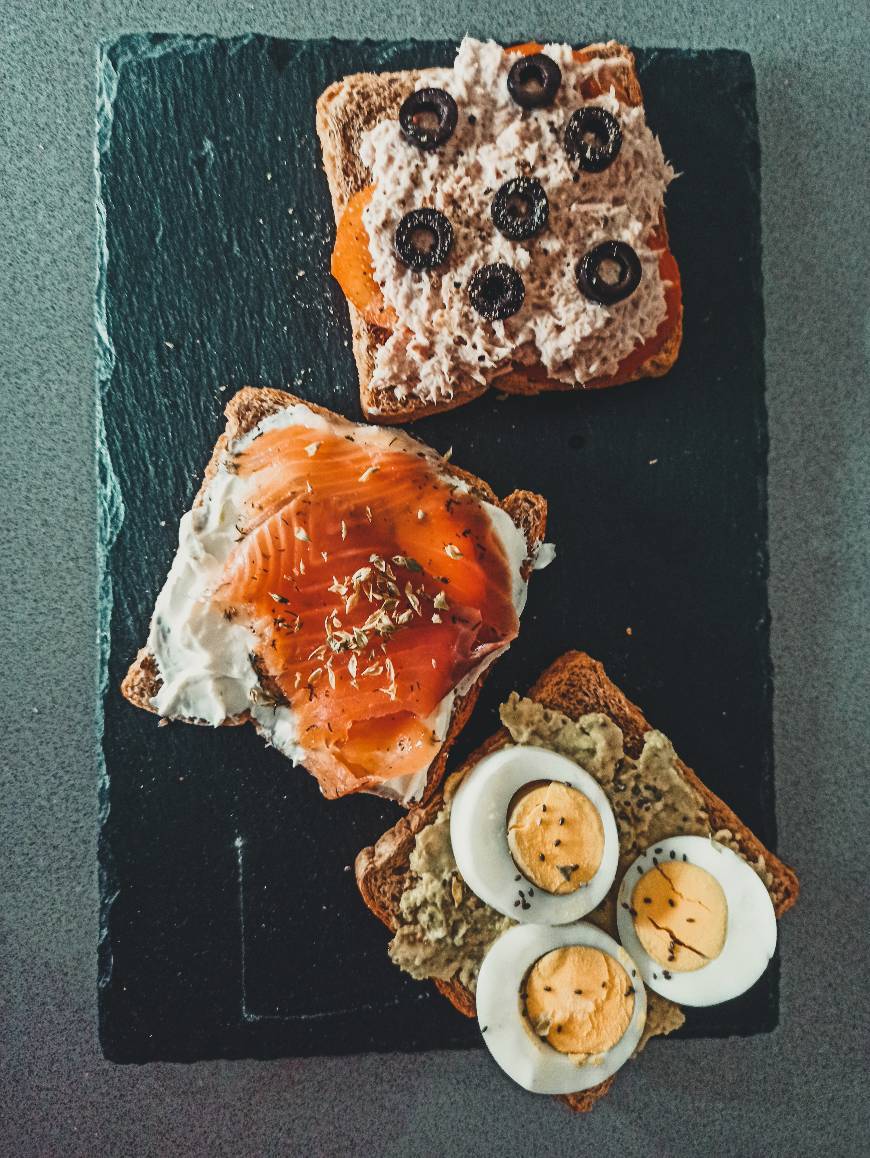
440, 338
205, 660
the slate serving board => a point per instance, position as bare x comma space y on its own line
230, 923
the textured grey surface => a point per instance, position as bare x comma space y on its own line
795, 1093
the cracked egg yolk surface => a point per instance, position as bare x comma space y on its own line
579, 1000
680, 915
556, 836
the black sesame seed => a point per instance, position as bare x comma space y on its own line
543, 808
685, 857
634, 973
666, 975
647, 900
629, 991
673, 855
658, 850
672, 902
557, 843
548, 988
516, 904
541, 856
603, 984
626, 906
640, 868
531, 892
561, 819
633, 912
484, 1029
579, 992
558, 1029
655, 862
518, 877
690, 920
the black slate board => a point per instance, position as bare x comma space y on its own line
230, 924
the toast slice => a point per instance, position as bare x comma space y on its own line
528, 512
355, 104
575, 685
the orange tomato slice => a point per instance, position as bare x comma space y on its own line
352, 264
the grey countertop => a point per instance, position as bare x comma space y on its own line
796, 1092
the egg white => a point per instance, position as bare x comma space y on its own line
750, 934
528, 1059
478, 833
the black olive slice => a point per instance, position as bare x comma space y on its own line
593, 138
496, 291
609, 273
534, 81
423, 239
520, 208
428, 118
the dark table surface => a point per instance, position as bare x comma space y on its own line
795, 1092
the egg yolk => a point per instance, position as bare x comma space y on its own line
680, 915
555, 835
580, 1000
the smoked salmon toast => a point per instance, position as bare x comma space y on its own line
500, 223
342, 587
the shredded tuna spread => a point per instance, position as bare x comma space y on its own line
440, 338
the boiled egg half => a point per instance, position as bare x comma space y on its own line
697, 919
534, 836
560, 1009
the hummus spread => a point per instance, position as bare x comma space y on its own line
440, 337
445, 931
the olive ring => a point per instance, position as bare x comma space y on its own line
520, 209
534, 81
433, 103
597, 123
496, 291
605, 290
423, 239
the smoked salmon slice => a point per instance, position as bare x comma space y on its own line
375, 583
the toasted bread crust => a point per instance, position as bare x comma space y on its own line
575, 685
346, 110
245, 409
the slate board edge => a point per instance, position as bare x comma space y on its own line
110, 514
